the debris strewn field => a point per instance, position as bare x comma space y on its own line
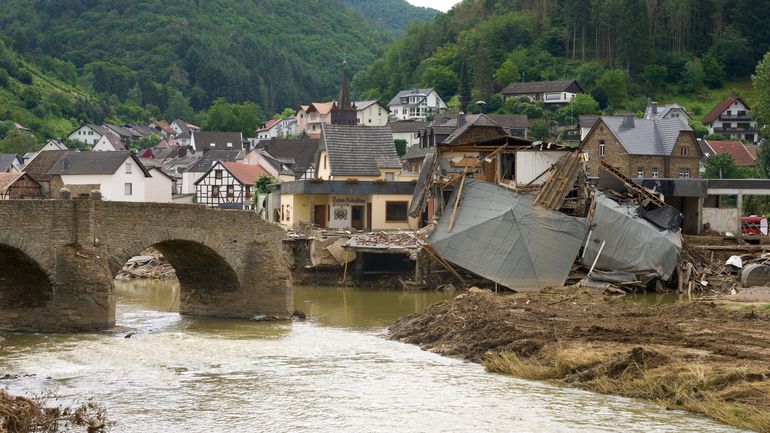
23, 415
704, 357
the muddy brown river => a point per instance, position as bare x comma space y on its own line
333, 373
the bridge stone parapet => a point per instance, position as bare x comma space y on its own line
58, 260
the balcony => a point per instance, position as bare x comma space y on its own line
736, 130
736, 118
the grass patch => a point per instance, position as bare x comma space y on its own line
733, 393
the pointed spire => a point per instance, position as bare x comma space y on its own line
345, 102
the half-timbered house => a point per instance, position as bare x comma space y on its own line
16, 186
228, 185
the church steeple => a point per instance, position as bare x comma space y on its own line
345, 102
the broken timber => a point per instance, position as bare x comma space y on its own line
560, 183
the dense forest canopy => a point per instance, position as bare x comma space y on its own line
614, 47
393, 16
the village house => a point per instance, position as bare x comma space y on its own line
359, 186
109, 143
641, 148
586, 123
743, 155
416, 104
10, 163
371, 113
18, 186
549, 92
179, 126
53, 145
204, 141
732, 119
277, 128
159, 187
161, 128
88, 134
407, 130
672, 111
204, 162
228, 185
286, 159
38, 168
119, 176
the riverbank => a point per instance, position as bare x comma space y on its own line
22, 414
704, 357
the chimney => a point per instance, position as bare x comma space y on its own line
654, 108
460, 119
628, 120
182, 152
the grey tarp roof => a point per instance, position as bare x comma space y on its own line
633, 244
506, 239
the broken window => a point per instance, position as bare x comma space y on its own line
395, 211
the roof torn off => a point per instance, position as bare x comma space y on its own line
630, 243
503, 237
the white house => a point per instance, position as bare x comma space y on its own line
371, 113
109, 143
550, 92
88, 134
672, 111
119, 176
277, 128
191, 174
53, 145
179, 126
416, 104
732, 119
408, 130
228, 185
159, 187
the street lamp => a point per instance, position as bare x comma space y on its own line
481, 105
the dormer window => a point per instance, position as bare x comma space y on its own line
212, 145
229, 144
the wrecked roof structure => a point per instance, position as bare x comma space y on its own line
503, 237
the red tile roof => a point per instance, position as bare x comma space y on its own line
721, 107
246, 174
268, 124
741, 155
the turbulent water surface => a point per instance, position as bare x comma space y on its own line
333, 373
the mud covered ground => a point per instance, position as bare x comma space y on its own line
707, 357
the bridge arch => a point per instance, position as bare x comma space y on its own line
25, 287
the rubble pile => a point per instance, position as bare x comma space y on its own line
400, 239
151, 265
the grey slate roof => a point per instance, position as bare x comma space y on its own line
587, 121
541, 87
510, 121
646, 136
416, 152
6, 161
404, 93
359, 150
298, 154
363, 105
404, 126
473, 120
663, 110
209, 158
203, 140
115, 141
75, 163
102, 130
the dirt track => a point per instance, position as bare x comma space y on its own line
702, 356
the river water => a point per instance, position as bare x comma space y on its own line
332, 373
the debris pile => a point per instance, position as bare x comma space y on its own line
151, 265
20, 414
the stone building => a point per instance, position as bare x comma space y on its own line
643, 148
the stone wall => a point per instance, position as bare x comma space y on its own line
230, 263
615, 154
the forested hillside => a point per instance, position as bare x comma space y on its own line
621, 51
393, 16
161, 57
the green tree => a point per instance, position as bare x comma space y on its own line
18, 142
178, 106
443, 79
285, 114
400, 146
761, 112
225, 116
720, 166
693, 77
578, 106
699, 129
611, 89
261, 186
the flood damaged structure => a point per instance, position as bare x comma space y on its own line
61, 258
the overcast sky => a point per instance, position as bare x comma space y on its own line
442, 5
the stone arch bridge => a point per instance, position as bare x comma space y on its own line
58, 260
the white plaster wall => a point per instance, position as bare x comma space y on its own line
188, 181
158, 188
530, 165
722, 220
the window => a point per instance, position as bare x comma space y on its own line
229, 144
212, 145
215, 191
674, 115
395, 211
602, 148
684, 173
640, 172
218, 174
128, 168
683, 150
379, 111
655, 172
370, 120
390, 177
128, 189
248, 192
230, 191
325, 161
